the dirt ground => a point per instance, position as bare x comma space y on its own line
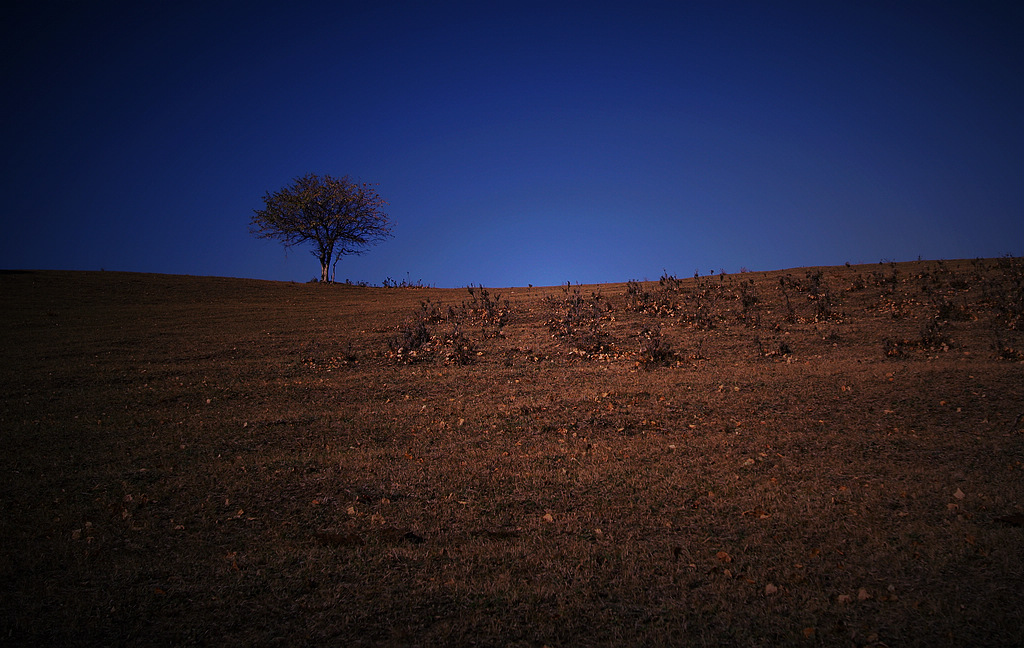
817, 456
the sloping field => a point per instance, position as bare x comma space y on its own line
824, 456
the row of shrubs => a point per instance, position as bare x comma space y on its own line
701, 305
580, 318
437, 330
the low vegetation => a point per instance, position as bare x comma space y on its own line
823, 456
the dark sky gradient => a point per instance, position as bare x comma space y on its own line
516, 142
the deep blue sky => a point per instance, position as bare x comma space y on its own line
516, 142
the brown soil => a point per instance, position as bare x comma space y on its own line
827, 456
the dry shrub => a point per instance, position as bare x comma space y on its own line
654, 350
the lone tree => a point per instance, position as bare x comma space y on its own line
338, 216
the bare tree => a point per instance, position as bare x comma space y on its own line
337, 215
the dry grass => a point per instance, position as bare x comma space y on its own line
830, 456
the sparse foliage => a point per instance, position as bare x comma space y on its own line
416, 341
337, 216
655, 351
706, 294
662, 302
579, 318
491, 313
408, 344
751, 304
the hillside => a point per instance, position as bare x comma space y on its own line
809, 456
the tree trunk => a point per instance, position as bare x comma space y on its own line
325, 256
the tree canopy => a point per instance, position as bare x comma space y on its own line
337, 215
